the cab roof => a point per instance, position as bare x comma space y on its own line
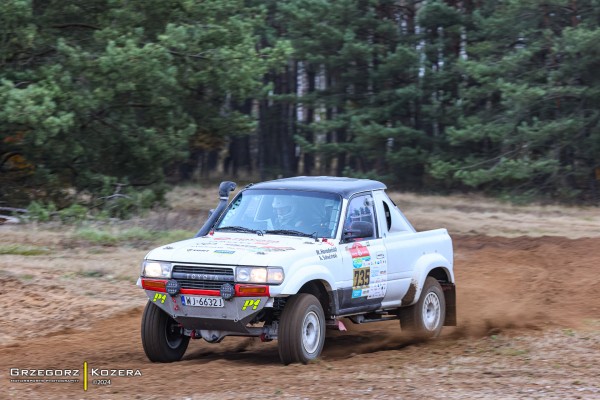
345, 187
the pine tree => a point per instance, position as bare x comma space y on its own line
528, 122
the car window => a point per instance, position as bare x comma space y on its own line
388, 215
361, 209
308, 212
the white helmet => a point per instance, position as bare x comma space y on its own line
284, 206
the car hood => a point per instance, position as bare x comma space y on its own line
241, 249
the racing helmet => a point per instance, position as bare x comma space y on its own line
284, 206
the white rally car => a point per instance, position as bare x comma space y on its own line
288, 258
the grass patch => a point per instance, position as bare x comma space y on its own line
96, 236
97, 250
137, 234
517, 352
512, 352
21, 250
131, 236
69, 275
26, 277
94, 273
569, 332
176, 235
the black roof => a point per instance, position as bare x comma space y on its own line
345, 187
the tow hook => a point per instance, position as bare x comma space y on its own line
269, 332
264, 337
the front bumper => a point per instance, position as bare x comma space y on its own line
233, 317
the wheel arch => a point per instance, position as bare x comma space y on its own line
432, 263
300, 275
323, 292
440, 268
443, 276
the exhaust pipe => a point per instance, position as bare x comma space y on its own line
224, 189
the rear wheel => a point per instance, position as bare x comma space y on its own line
162, 337
301, 329
426, 317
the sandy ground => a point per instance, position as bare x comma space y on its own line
528, 303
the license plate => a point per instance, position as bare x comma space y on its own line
202, 301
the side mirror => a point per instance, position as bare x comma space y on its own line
358, 230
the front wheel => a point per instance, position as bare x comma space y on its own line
162, 337
426, 317
301, 329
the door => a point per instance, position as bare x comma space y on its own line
364, 258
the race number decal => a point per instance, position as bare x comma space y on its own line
369, 272
361, 277
361, 266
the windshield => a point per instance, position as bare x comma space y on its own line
283, 212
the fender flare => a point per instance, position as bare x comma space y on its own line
423, 266
306, 273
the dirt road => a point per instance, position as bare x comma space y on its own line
529, 327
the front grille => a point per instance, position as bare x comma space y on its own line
204, 277
202, 269
192, 284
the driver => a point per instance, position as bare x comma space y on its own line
285, 208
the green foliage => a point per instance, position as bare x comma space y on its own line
96, 90
40, 212
73, 213
528, 122
121, 205
100, 99
22, 250
451, 98
125, 205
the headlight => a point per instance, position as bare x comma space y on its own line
156, 269
259, 275
275, 275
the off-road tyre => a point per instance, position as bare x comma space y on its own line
162, 337
301, 333
425, 318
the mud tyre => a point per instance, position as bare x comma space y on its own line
425, 318
301, 329
162, 337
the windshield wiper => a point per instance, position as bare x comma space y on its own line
240, 229
291, 232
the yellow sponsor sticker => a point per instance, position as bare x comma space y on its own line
254, 303
159, 296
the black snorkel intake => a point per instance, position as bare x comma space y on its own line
224, 189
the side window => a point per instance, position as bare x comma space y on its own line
388, 215
360, 213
